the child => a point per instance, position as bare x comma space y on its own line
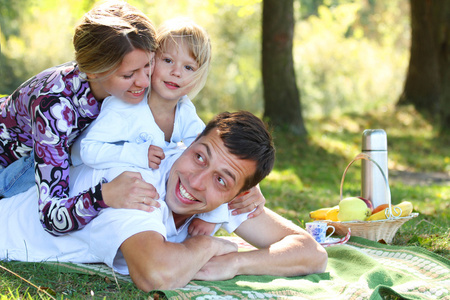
138, 134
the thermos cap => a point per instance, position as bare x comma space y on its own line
374, 140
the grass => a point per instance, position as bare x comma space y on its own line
306, 177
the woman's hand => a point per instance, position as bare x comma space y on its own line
247, 202
129, 190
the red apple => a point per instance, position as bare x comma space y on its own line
368, 203
380, 208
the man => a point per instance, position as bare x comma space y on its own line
232, 155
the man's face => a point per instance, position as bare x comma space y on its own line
205, 176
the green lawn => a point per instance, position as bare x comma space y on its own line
306, 177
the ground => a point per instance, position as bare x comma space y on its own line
418, 178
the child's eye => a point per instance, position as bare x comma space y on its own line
167, 60
189, 68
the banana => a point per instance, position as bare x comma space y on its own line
406, 209
321, 213
332, 214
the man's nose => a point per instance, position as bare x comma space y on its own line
197, 180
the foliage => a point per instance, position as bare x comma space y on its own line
350, 55
348, 62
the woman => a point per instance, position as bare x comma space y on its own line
114, 45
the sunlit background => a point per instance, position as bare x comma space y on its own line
349, 55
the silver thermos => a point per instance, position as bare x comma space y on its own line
373, 184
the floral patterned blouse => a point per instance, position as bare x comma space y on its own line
47, 113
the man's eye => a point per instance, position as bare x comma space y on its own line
200, 158
221, 181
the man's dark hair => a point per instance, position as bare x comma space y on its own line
247, 137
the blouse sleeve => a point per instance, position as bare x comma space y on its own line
53, 120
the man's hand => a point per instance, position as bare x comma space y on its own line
217, 268
247, 202
155, 156
129, 190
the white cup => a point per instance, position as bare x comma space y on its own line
318, 230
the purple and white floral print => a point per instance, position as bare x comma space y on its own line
47, 113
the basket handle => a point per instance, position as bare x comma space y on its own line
388, 212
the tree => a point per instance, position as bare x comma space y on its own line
282, 105
427, 85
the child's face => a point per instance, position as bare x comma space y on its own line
174, 71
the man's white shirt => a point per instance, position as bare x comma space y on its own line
23, 238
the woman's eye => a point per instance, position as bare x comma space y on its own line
127, 76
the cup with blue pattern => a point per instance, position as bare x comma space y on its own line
318, 230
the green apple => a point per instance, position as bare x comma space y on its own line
353, 209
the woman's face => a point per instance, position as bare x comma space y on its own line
128, 82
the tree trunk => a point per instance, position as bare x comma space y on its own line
427, 81
281, 97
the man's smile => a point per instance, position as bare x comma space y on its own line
185, 196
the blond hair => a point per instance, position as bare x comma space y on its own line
197, 40
107, 33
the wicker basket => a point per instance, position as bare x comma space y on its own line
379, 230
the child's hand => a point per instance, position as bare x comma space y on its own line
155, 156
200, 227
247, 202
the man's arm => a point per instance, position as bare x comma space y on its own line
284, 250
155, 263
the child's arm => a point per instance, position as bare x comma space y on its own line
108, 142
200, 227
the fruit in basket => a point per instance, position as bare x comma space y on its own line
353, 209
368, 203
406, 209
321, 213
332, 214
380, 208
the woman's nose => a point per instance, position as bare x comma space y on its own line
143, 79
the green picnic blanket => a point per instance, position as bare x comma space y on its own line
360, 269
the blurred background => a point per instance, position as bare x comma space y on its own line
348, 55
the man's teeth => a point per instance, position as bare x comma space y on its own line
185, 194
